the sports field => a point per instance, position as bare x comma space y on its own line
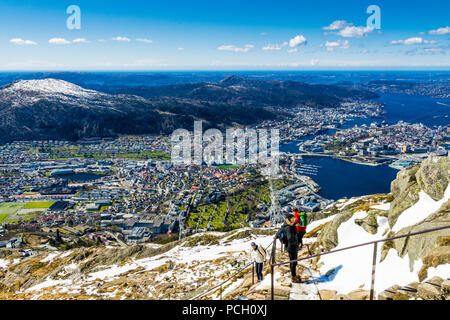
17, 211
39, 205
8, 208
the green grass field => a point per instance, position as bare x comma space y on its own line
8, 208
228, 166
39, 205
3, 217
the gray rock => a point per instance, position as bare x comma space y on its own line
405, 191
369, 223
432, 176
437, 281
328, 237
389, 293
446, 286
429, 291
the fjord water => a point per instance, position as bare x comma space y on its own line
415, 109
339, 178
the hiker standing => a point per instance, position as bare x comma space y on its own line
301, 221
288, 235
258, 254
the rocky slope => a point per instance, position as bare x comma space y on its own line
411, 268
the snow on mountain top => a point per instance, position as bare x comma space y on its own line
48, 86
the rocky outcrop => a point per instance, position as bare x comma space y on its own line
370, 222
433, 248
432, 176
328, 237
405, 191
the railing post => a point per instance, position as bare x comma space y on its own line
374, 265
272, 275
253, 273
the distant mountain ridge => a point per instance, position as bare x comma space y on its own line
56, 109
238, 90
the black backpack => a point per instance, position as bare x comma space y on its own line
283, 237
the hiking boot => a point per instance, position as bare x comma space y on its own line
296, 279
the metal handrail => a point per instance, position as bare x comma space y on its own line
228, 279
375, 242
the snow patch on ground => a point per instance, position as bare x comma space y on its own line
356, 263
49, 283
4, 263
50, 257
111, 272
382, 206
420, 211
316, 223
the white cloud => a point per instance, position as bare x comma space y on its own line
292, 50
415, 40
338, 25
354, 32
275, 46
80, 40
314, 62
122, 39
180, 49
233, 48
263, 34
434, 50
144, 40
58, 41
102, 40
22, 42
440, 31
341, 44
297, 41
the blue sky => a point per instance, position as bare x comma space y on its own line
224, 35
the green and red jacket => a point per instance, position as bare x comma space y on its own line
301, 221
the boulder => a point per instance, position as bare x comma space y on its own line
327, 294
405, 191
446, 286
437, 281
328, 237
401, 296
389, 293
409, 290
429, 291
369, 223
432, 176
359, 294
